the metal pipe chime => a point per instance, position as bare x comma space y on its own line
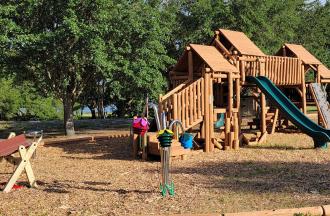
165, 137
176, 122
155, 108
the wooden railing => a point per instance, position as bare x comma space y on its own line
186, 104
249, 66
281, 70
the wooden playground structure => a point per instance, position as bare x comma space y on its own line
210, 80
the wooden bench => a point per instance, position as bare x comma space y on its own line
25, 149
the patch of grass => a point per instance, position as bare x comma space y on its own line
302, 214
311, 109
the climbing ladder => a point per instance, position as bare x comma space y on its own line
320, 97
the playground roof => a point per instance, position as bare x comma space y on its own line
324, 72
213, 58
241, 42
204, 54
302, 53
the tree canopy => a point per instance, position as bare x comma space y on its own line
65, 49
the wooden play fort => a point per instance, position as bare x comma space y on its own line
210, 81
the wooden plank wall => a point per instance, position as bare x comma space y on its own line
280, 70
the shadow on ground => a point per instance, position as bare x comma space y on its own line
277, 147
64, 187
263, 177
115, 148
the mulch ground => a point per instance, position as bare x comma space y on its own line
101, 179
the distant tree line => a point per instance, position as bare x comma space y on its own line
57, 56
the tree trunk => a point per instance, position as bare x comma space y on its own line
92, 109
100, 109
68, 115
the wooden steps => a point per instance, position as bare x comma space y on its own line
254, 138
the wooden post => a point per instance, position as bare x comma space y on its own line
274, 122
227, 131
238, 94
242, 70
190, 64
175, 114
318, 74
191, 105
221, 95
160, 107
135, 144
230, 93
284, 50
202, 129
263, 113
144, 147
236, 132
261, 67
207, 112
230, 108
318, 80
238, 106
303, 89
211, 98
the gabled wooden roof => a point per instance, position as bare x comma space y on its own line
204, 54
213, 58
324, 72
241, 42
300, 52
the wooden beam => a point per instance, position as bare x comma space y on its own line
224, 50
263, 137
238, 113
299, 91
236, 132
227, 131
230, 108
207, 112
303, 90
263, 113
211, 129
274, 122
318, 74
144, 147
190, 64
230, 93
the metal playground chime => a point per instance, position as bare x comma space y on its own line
165, 139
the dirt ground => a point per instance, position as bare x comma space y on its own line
101, 179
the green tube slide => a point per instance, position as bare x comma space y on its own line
320, 135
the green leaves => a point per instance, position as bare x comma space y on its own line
66, 47
21, 101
